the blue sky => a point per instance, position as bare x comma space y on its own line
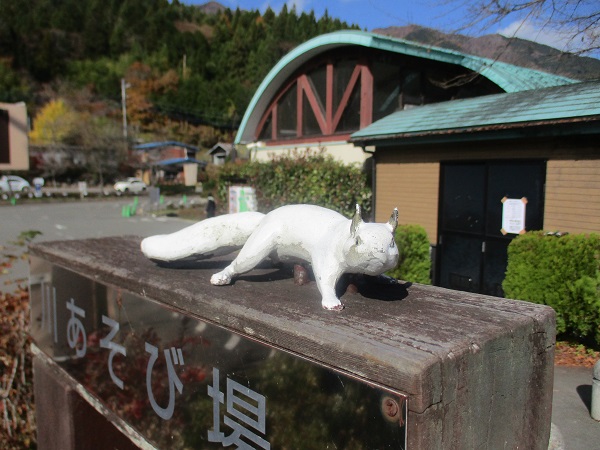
444, 15
367, 14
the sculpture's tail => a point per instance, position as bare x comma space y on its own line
215, 236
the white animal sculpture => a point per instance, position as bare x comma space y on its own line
332, 244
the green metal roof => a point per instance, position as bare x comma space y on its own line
571, 103
508, 77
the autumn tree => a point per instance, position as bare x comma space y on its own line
144, 85
53, 126
78, 137
191, 74
100, 143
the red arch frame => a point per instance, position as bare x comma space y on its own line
328, 116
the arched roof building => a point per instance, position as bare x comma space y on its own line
456, 142
338, 83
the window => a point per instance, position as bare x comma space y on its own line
347, 89
4, 137
286, 114
324, 100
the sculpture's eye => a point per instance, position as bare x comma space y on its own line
393, 243
358, 241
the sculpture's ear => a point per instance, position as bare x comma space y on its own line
356, 221
393, 222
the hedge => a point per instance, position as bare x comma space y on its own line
415, 260
316, 178
301, 177
561, 272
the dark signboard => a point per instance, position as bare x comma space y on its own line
183, 382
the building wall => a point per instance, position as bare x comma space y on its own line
408, 178
18, 142
573, 196
341, 151
412, 187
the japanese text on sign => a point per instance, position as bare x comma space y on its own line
243, 404
240, 423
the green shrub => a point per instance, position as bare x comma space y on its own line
561, 272
300, 178
415, 261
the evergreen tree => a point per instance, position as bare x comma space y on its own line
97, 29
68, 15
94, 44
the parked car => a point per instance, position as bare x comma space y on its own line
130, 185
13, 183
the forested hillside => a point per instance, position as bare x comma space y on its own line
200, 64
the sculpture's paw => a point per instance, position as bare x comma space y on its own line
220, 279
332, 305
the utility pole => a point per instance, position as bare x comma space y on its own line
124, 87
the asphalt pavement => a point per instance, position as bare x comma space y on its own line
571, 409
74, 220
573, 428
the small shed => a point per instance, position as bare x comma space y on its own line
220, 152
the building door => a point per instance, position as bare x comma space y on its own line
477, 201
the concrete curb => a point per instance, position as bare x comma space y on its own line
556, 439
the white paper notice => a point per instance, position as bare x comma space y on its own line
513, 215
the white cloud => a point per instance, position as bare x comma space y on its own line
300, 5
565, 40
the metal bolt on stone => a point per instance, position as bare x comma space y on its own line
390, 408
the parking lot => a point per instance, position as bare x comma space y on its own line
73, 220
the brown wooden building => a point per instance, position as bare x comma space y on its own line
449, 167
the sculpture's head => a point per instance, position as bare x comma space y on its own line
371, 248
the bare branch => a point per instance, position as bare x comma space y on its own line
575, 22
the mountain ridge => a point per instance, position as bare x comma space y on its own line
516, 51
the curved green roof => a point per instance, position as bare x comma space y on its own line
508, 77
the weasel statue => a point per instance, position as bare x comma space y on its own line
332, 244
